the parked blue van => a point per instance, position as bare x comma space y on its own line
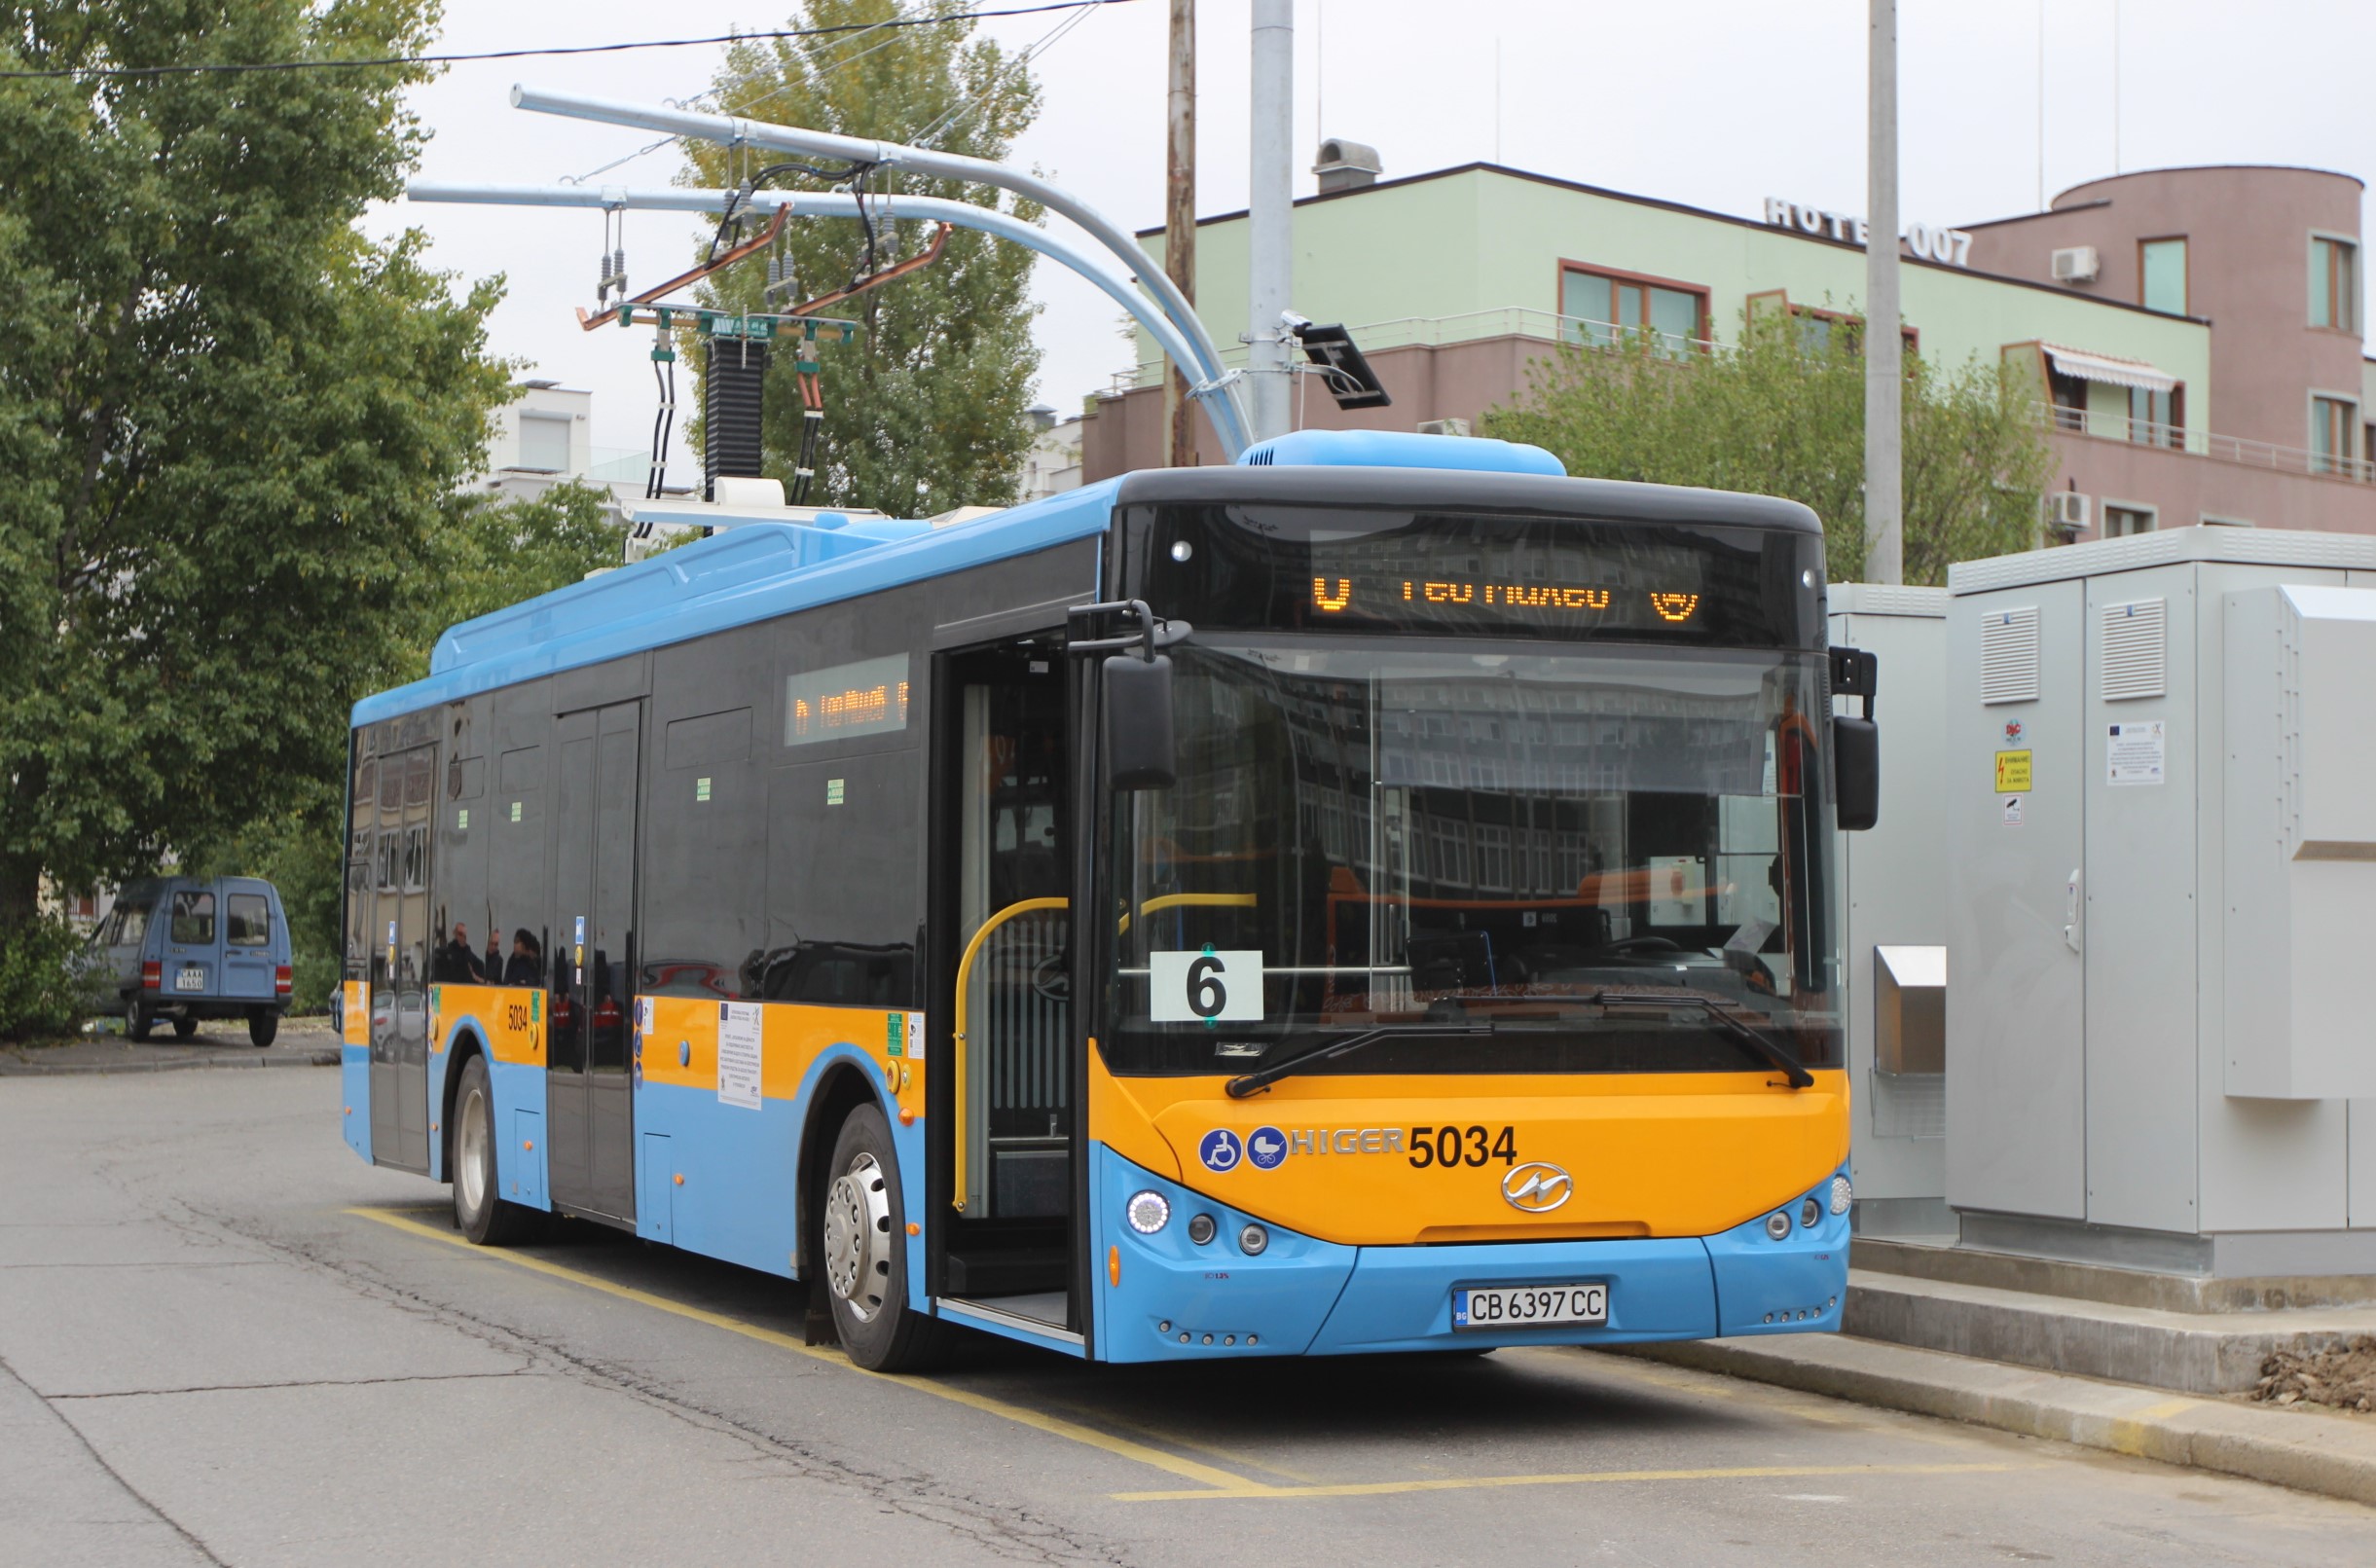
193, 948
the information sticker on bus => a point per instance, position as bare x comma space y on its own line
1530, 1306
1205, 986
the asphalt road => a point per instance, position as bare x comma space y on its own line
223, 1341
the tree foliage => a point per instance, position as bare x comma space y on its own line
925, 412
230, 424
1780, 413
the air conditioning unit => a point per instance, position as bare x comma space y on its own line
2076, 264
2067, 511
1450, 427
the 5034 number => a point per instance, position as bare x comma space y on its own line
1449, 1146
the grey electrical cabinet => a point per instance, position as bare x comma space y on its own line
1895, 918
2160, 848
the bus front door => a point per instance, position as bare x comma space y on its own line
588, 1093
1011, 1124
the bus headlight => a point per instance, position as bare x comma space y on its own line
1777, 1226
1809, 1212
1842, 1195
1252, 1240
1148, 1212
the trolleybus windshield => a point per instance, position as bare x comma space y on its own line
1498, 838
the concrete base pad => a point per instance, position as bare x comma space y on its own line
2187, 1352
2313, 1451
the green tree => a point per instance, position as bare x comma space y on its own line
925, 412
230, 424
1781, 412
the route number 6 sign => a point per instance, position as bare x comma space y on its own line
1205, 987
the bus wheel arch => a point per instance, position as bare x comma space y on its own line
465, 1046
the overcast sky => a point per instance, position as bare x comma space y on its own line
1717, 103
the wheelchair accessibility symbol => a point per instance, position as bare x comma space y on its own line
1221, 1150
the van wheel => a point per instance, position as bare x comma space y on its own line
185, 1027
137, 1019
478, 1212
863, 1257
262, 1025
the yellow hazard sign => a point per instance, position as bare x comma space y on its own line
2012, 773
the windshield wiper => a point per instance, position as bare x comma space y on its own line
1263, 1077
1759, 1043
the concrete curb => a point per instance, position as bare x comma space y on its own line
2332, 1455
18, 1068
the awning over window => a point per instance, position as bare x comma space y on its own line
2104, 368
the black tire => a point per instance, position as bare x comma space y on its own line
866, 1284
185, 1027
262, 1025
476, 1168
137, 1019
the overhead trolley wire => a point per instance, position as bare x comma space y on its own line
121, 72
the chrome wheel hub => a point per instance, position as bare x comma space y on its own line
858, 1237
470, 1173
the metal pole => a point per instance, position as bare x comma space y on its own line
1221, 408
1270, 215
1180, 208
1884, 349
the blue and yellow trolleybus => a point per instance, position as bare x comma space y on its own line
1461, 964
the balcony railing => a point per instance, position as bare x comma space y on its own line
2264, 455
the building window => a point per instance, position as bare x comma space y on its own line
544, 443
1602, 306
2334, 284
2157, 419
2067, 398
2333, 422
2161, 266
2120, 522
1816, 327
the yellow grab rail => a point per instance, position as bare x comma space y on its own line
957, 1084
1202, 900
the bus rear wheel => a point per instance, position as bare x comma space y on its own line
863, 1253
478, 1212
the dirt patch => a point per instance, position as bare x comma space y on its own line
2342, 1375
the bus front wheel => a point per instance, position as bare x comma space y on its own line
863, 1253
478, 1211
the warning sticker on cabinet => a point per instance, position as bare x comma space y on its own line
2012, 773
2013, 811
2135, 753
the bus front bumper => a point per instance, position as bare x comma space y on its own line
1171, 1298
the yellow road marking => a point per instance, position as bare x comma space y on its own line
1055, 1426
2127, 1433
1460, 1483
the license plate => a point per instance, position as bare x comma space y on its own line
192, 978
1530, 1306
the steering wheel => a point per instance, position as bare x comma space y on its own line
1643, 944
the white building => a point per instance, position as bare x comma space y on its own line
1052, 465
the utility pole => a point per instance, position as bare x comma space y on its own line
1270, 217
1180, 210
1884, 349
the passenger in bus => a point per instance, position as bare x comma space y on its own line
527, 966
456, 962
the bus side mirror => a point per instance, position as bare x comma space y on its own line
1856, 772
1855, 743
1138, 715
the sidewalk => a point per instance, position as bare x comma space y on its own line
2320, 1452
302, 1042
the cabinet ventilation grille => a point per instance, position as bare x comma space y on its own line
2008, 656
2136, 650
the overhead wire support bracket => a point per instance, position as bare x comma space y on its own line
766, 239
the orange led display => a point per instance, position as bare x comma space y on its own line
1332, 596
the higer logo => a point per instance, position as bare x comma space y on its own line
1537, 1187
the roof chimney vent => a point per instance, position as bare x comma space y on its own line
1346, 165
